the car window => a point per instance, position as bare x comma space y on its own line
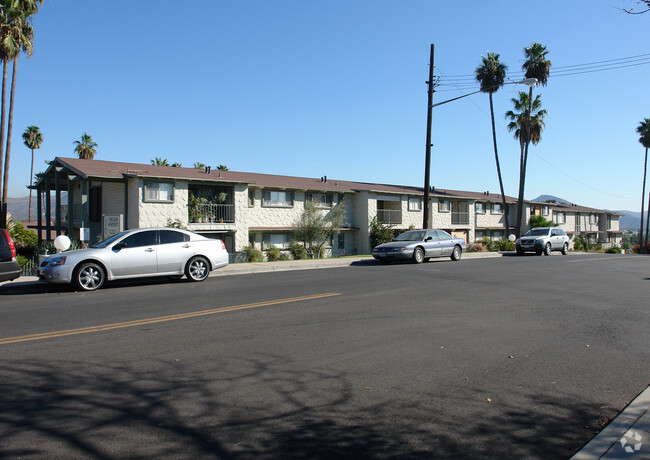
172, 236
109, 241
433, 235
537, 232
411, 236
444, 235
139, 239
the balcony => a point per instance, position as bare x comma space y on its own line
389, 216
212, 213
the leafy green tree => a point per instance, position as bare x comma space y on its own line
314, 228
160, 162
535, 66
16, 35
491, 74
644, 132
86, 148
32, 138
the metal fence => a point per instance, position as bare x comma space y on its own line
212, 213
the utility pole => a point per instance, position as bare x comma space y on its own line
427, 161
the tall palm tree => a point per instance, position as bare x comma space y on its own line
16, 35
491, 74
644, 131
33, 139
538, 67
199, 165
160, 162
86, 147
222, 168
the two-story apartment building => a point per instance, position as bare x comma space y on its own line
94, 199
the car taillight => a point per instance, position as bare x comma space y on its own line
223, 245
12, 246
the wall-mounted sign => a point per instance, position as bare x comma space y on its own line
112, 225
84, 234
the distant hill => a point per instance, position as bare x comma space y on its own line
18, 207
546, 198
629, 221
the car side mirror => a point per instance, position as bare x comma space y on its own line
119, 246
428, 238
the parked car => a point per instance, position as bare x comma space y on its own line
420, 246
543, 240
9, 268
137, 253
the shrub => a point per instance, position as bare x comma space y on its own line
297, 250
24, 239
379, 233
614, 250
273, 254
505, 245
284, 256
253, 254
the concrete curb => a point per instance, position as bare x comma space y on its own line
634, 423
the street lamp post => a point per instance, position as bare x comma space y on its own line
530, 82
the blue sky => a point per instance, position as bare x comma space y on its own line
337, 88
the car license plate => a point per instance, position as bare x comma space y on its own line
383, 254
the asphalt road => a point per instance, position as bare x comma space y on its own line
516, 357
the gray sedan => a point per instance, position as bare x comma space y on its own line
420, 246
137, 253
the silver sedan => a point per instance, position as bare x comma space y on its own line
420, 246
137, 253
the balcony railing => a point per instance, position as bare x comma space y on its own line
389, 216
459, 218
212, 213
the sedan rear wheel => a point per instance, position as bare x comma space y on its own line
198, 269
89, 276
418, 255
456, 253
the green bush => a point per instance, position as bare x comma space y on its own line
379, 233
273, 254
24, 239
297, 250
252, 254
614, 250
505, 245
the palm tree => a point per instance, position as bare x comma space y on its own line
491, 74
33, 139
199, 165
538, 67
177, 165
222, 168
86, 147
160, 162
644, 130
16, 35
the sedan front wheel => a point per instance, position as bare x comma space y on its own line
89, 276
418, 255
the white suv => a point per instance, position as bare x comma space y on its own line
543, 240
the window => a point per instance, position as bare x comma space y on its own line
415, 203
251, 198
497, 234
560, 218
592, 219
172, 236
158, 192
545, 209
139, 239
444, 206
321, 200
277, 198
459, 213
480, 208
609, 222
479, 234
278, 240
497, 208
341, 241
442, 235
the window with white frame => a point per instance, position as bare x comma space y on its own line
158, 192
497, 208
444, 206
275, 240
497, 234
480, 208
479, 235
415, 203
321, 200
560, 218
546, 210
277, 198
592, 219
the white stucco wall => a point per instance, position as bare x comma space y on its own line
157, 214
